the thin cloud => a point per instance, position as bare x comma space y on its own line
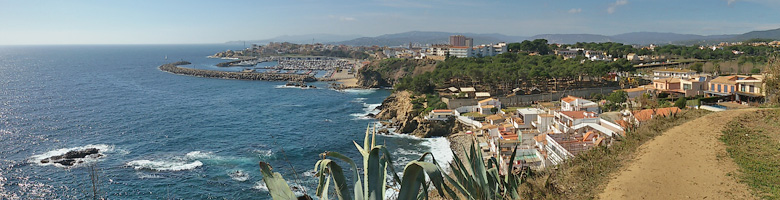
613, 7
342, 18
730, 2
575, 10
403, 4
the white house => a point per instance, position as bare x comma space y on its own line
486, 105
572, 103
441, 115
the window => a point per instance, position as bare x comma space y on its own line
686, 86
742, 88
719, 88
752, 89
732, 88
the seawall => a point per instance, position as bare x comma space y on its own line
175, 69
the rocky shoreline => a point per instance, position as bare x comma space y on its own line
175, 69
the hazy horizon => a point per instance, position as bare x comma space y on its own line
205, 22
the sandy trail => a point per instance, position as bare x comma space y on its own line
685, 162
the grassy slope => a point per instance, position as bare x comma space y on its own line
586, 175
752, 140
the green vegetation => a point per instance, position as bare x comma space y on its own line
581, 176
772, 82
616, 100
433, 102
680, 103
473, 179
752, 141
504, 72
755, 54
617, 50
538, 45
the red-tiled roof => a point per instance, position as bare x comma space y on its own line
569, 99
579, 114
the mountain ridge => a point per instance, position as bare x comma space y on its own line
440, 37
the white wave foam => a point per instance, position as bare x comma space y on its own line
264, 153
359, 100
199, 155
260, 185
310, 173
239, 175
296, 188
360, 91
148, 176
164, 165
102, 149
440, 148
367, 109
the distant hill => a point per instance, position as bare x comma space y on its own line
767, 34
433, 37
300, 39
426, 37
572, 38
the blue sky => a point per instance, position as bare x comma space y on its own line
200, 21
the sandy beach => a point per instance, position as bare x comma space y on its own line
346, 79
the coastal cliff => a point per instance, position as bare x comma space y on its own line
387, 72
175, 69
398, 108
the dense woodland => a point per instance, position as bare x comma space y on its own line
502, 73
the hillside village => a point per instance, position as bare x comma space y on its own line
546, 133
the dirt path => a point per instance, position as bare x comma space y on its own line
686, 162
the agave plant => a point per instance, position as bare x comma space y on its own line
376, 161
480, 181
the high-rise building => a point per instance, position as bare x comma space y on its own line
458, 40
469, 42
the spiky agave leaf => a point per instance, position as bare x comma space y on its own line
358, 191
332, 170
414, 178
277, 186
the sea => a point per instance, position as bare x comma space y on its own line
167, 136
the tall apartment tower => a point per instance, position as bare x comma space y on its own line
469, 42
458, 40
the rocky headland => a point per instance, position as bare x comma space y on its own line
175, 69
398, 110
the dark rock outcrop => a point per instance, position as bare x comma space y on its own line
398, 109
174, 68
71, 157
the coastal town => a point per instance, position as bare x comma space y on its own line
546, 126
390, 99
539, 125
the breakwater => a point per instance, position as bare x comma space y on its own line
175, 69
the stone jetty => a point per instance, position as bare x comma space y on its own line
175, 69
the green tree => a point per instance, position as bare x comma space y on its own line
680, 103
494, 110
618, 97
698, 67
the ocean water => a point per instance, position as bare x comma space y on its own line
167, 136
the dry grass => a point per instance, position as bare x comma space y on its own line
752, 140
586, 175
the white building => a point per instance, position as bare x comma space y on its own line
486, 105
572, 103
672, 73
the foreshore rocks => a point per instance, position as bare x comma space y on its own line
175, 69
73, 157
398, 109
